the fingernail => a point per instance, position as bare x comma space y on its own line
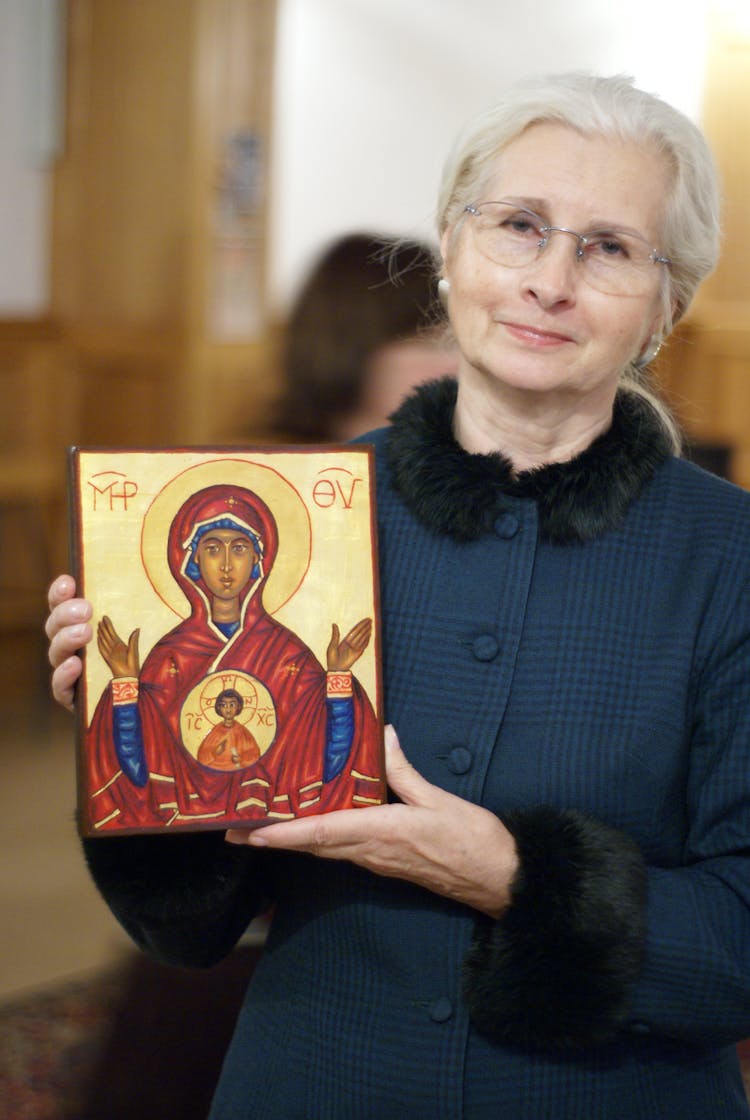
390, 736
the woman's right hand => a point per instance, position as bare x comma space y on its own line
69, 629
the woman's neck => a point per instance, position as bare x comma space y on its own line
530, 429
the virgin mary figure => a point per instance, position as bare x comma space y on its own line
317, 732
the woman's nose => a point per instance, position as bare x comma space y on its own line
552, 276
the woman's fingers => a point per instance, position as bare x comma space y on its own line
61, 592
336, 835
61, 588
64, 680
68, 635
68, 627
433, 838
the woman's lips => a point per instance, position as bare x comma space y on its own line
536, 336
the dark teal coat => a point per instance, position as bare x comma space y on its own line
571, 649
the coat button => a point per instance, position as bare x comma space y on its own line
460, 760
506, 526
441, 1010
485, 647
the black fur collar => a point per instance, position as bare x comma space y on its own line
459, 494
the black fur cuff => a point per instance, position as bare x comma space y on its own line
185, 898
555, 971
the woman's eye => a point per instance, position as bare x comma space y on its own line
608, 246
519, 225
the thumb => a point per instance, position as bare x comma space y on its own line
406, 782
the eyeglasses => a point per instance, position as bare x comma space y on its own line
615, 262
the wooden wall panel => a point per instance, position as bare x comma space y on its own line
157, 91
37, 422
121, 237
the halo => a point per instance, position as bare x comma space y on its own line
284, 501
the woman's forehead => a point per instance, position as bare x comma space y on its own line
592, 178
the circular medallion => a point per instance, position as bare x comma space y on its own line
228, 720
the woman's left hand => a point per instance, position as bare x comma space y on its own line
432, 838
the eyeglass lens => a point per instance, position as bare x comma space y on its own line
613, 261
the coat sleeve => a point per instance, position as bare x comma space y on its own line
184, 898
695, 983
556, 970
596, 941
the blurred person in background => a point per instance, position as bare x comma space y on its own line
362, 331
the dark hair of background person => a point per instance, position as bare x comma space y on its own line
360, 295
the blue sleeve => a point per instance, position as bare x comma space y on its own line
339, 735
128, 736
695, 983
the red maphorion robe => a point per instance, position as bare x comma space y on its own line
288, 778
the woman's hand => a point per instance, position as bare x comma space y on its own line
432, 838
68, 628
341, 655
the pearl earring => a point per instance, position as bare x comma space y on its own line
444, 289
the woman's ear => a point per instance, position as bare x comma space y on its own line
651, 344
445, 242
677, 311
444, 284
649, 351
657, 332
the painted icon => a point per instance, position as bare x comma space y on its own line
234, 677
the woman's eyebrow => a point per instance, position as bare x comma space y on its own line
535, 204
541, 207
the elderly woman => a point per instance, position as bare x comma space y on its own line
552, 917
